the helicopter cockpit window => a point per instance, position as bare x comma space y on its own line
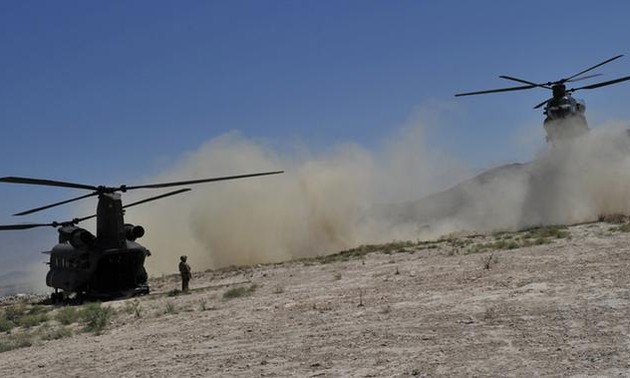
560, 109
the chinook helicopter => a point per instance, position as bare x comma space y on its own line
111, 264
564, 114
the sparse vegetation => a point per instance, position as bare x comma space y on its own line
54, 333
20, 340
6, 325
361, 251
67, 315
15, 312
32, 320
26, 324
489, 261
622, 228
238, 292
508, 241
616, 218
133, 307
20, 315
549, 232
170, 308
96, 317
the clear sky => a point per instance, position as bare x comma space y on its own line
107, 92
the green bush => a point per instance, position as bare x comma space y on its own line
238, 292
67, 315
95, 317
56, 333
15, 342
622, 228
554, 232
15, 312
170, 308
6, 325
28, 321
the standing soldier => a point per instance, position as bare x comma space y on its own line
185, 271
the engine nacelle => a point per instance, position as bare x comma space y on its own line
133, 232
76, 236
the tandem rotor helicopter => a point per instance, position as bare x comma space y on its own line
111, 264
564, 114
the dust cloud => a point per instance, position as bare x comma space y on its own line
323, 202
576, 181
349, 196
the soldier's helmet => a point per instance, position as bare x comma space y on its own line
183, 258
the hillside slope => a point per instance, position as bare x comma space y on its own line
543, 302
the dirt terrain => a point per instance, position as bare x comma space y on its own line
516, 304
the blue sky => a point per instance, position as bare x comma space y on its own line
108, 92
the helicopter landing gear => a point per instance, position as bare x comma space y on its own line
56, 297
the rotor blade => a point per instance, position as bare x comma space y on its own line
591, 68
191, 182
524, 81
11, 227
602, 84
496, 90
77, 220
55, 204
542, 103
158, 197
32, 181
583, 78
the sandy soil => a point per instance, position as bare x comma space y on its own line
557, 309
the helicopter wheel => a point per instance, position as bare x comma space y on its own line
56, 298
80, 298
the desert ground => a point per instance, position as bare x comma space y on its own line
547, 302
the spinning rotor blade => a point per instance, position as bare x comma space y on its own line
104, 189
12, 227
77, 220
31, 181
524, 81
602, 84
497, 90
583, 78
542, 103
157, 197
590, 68
55, 204
191, 182
27, 226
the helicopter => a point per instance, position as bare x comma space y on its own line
564, 114
107, 265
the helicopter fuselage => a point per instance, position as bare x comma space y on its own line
110, 264
106, 266
564, 119
98, 273
564, 115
